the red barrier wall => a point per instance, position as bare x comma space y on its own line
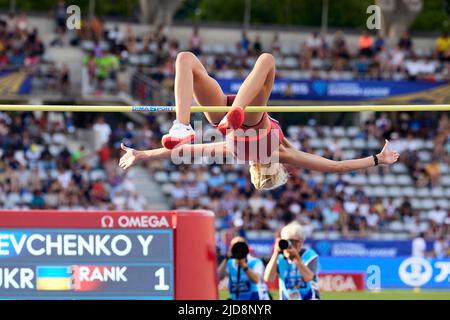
194, 239
195, 256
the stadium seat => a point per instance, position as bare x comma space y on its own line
375, 180
345, 143
445, 169
167, 188
399, 167
396, 226
374, 144
443, 203
97, 174
175, 176
349, 154
424, 156
397, 202
359, 179
331, 178
416, 203
404, 180
316, 143
293, 131
437, 192
161, 176
409, 192
423, 192
290, 63
394, 192
389, 179
427, 204
445, 180
353, 131
359, 143
349, 190
368, 191
379, 191
326, 130
338, 132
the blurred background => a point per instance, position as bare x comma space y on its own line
124, 54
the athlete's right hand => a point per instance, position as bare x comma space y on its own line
129, 158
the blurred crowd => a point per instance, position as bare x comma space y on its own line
39, 169
21, 48
153, 54
19, 44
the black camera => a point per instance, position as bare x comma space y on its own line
239, 250
284, 244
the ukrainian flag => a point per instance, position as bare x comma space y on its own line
54, 278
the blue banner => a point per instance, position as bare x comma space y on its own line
345, 248
393, 272
340, 90
15, 82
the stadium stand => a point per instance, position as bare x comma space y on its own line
44, 167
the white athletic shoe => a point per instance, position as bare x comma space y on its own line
178, 134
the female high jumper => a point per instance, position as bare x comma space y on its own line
250, 131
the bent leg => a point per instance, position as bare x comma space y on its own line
192, 80
257, 87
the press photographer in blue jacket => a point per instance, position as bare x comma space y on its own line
245, 273
296, 266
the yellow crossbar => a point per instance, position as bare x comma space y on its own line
355, 108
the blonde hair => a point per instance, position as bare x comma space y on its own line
293, 230
268, 177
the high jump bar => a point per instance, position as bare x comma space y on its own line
157, 109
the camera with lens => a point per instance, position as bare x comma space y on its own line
284, 244
239, 250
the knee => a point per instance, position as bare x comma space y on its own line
267, 60
185, 57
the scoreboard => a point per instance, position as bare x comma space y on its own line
103, 255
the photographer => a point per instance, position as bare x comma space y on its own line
245, 273
297, 267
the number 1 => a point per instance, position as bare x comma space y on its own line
161, 286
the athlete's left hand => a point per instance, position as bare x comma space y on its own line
387, 156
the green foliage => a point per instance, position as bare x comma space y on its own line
433, 17
342, 13
349, 13
110, 7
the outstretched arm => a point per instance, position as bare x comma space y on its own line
132, 156
289, 155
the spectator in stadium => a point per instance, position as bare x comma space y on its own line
419, 246
296, 266
195, 42
96, 28
257, 46
316, 45
102, 130
432, 170
365, 44
276, 44
443, 47
245, 274
339, 48
244, 44
60, 17
441, 247
437, 218
405, 42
